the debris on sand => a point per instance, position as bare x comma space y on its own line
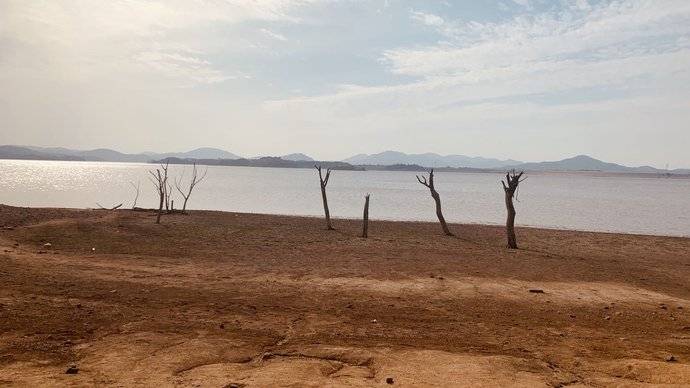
671, 358
389, 380
72, 370
374, 321
536, 291
47, 245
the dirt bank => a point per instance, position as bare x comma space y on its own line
216, 299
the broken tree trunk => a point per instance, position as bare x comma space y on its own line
365, 217
510, 186
437, 199
323, 180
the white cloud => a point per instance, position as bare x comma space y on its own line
524, 3
274, 35
83, 38
428, 19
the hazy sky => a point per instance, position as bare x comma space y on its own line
521, 79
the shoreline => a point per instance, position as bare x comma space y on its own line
386, 168
518, 226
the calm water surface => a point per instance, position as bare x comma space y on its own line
650, 205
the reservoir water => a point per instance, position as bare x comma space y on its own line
582, 201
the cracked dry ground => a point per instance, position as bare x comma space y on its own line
222, 299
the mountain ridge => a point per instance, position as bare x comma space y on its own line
387, 160
429, 159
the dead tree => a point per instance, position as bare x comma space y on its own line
195, 180
159, 178
323, 180
365, 217
136, 195
437, 200
510, 186
166, 193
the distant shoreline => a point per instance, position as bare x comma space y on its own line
342, 166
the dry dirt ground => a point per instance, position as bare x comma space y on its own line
239, 300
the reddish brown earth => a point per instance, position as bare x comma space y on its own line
222, 299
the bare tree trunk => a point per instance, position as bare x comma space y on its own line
323, 181
365, 217
510, 222
439, 213
160, 181
437, 199
327, 213
160, 210
167, 197
510, 186
136, 196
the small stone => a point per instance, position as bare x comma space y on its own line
374, 321
389, 380
47, 245
72, 370
536, 291
41, 252
671, 358
607, 317
572, 315
93, 249
222, 326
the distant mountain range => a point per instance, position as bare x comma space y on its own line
264, 161
106, 155
588, 163
388, 160
400, 160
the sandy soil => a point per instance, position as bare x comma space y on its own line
238, 300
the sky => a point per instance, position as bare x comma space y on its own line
522, 79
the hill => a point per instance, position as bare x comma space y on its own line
106, 155
588, 163
297, 157
428, 160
